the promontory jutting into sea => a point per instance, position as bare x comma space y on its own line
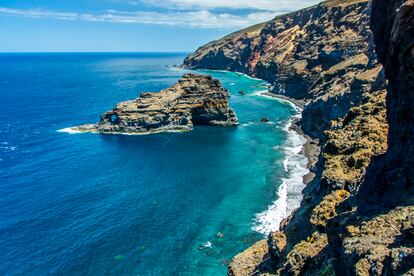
284, 148
195, 196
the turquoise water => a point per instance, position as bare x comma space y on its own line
92, 204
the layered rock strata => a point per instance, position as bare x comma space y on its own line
193, 100
323, 54
356, 216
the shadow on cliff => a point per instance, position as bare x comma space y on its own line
389, 181
387, 191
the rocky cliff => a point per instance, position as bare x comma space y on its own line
323, 54
357, 215
194, 100
393, 25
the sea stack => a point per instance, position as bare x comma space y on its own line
193, 100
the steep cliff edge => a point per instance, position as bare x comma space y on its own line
310, 239
193, 100
393, 25
323, 54
357, 215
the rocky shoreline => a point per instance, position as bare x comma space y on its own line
311, 149
350, 221
193, 100
298, 103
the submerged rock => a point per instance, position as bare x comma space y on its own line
204, 246
264, 120
193, 100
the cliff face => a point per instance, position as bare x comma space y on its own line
316, 239
194, 100
323, 54
393, 25
357, 215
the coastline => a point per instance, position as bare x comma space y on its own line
311, 149
303, 145
92, 130
302, 153
356, 114
299, 103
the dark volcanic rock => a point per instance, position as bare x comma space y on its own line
194, 100
379, 239
393, 25
323, 54
357, 215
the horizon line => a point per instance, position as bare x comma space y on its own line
99, 52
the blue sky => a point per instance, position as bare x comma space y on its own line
128, 25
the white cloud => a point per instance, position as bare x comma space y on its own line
193, 19
265, 5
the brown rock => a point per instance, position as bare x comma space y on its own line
390, 178
277, 244
326, 209
252, 261
323, 54
357, 218
194, 100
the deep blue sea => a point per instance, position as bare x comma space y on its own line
88, 204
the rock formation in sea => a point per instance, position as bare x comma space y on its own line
357, 214
193, 100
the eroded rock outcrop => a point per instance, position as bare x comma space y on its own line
393, 25
383, 241
193, 100
323, 54
356, 216
312, 231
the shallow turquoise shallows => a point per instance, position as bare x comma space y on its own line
136, 205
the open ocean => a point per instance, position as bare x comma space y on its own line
87, 204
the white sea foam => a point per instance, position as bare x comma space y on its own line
72, 130
259, 93
248, 124
263, 94
69, 130
289, 193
